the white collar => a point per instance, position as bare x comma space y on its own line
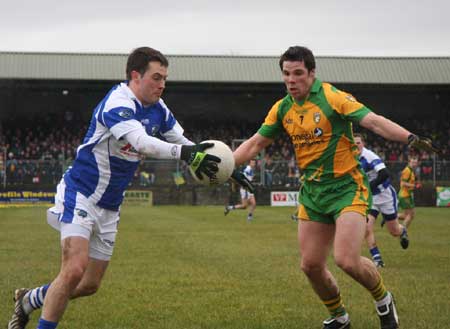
129, 92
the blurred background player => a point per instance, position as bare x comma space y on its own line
384, 200
247, 199
406, 193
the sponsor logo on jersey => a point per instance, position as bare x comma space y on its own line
308, 138
80, 212
289, 121
126, 114
154, 130
129, 150
302, 137
145, 121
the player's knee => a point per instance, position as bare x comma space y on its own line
72, 274
394, 227
311, 268
395, 234
89, 288
395, 231
345, 263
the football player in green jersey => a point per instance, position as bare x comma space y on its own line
406, 194
334, 198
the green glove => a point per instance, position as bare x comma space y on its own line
240, 179
422, 143
200, 162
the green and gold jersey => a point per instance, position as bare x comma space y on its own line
320, 128
407, 176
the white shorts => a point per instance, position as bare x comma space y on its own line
245, 194
76, 215
386, 203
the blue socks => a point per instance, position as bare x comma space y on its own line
44, 324
376, 256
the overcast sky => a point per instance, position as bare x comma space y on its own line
229, 27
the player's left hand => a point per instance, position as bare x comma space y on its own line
422, 143
200, 162
240, 179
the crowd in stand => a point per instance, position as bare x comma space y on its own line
36, 149
39, 149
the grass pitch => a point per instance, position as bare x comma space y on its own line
191, 267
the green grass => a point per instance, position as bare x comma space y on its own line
191, 267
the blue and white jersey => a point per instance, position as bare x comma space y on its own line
249, 173
372, 164
105, 163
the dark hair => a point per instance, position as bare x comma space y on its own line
140, 57
358, 135
301, 54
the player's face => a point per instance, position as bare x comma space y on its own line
252, 163
298, 79
151, 84
359, 143
413, 163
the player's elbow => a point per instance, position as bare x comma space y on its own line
258, 143
140, 146
141, 149
145, 147
372, 122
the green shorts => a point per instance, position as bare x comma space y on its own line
325, 201
407, 202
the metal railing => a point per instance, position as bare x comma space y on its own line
3, 151
45, 174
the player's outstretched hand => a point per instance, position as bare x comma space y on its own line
240, 179
200, 162
422, 143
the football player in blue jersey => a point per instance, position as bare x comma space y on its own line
384, 200
131, 120
247, 198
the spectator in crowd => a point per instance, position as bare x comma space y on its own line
293, 173
269, 168
426, 166
11, 168
146, 175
